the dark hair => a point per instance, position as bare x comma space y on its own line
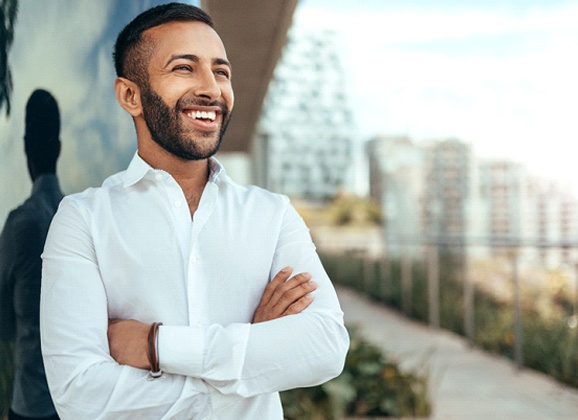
130, 58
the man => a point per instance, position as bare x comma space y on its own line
21, 244
173, 241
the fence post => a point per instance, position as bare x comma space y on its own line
518, 353
368, 283
433, 275
406, 281
386, 278
468, 298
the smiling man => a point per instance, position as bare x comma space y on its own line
171, 291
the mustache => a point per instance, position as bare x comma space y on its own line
184, 103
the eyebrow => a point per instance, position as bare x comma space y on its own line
196, 59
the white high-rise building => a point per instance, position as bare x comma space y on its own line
448, 184
303, 143
437, 191
507, 196
396, 181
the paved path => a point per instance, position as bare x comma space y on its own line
466, 383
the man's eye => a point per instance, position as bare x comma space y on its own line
223, 73
182, 68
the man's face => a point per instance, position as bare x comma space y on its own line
187, 102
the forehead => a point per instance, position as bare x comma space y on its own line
194, 37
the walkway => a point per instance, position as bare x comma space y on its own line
466, 383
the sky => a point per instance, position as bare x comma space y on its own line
500, 75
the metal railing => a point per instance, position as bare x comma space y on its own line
458, 248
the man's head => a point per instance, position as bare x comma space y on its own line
174, 79
132, 53
42, 133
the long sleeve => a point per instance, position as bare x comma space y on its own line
7, 313
20, 265
294, 351
85, 381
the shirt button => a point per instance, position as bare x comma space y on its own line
193, 259
178, 203
158, 177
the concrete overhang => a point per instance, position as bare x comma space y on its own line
254, 33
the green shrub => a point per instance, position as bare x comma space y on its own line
370, 385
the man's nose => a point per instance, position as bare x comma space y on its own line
207, 86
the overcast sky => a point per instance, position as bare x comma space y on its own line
501, 75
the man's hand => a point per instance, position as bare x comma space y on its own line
285, 297
128, 342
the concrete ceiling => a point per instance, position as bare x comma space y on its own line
254, 33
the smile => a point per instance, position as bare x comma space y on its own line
202, 115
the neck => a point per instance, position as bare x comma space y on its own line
35, 175
191, 175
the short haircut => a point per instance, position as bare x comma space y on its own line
131, 53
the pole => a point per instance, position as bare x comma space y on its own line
386, 278
406, 282
468, 298
518, 355
433, 275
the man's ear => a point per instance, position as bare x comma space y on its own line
128, 96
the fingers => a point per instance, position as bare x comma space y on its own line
291, 291
285, 297
279, 279
299, 306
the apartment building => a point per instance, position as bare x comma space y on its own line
436, 191
303, 143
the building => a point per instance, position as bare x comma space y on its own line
303, 141
556, 223
396, 166
448, 183
435, 191
507, 195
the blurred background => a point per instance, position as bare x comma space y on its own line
428, 145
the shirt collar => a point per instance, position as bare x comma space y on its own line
138, 169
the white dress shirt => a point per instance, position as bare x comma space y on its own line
131, 250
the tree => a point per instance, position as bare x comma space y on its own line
351, 210
8, 12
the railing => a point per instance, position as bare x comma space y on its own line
392, 280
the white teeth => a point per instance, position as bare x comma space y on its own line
206, 115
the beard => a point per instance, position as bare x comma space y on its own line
168, 132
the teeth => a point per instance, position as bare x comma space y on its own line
206, 115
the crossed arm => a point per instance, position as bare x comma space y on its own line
97, 367
282, 296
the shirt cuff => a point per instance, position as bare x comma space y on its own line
180, 349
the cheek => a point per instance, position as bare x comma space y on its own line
229, 99
171, 92
227, 93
